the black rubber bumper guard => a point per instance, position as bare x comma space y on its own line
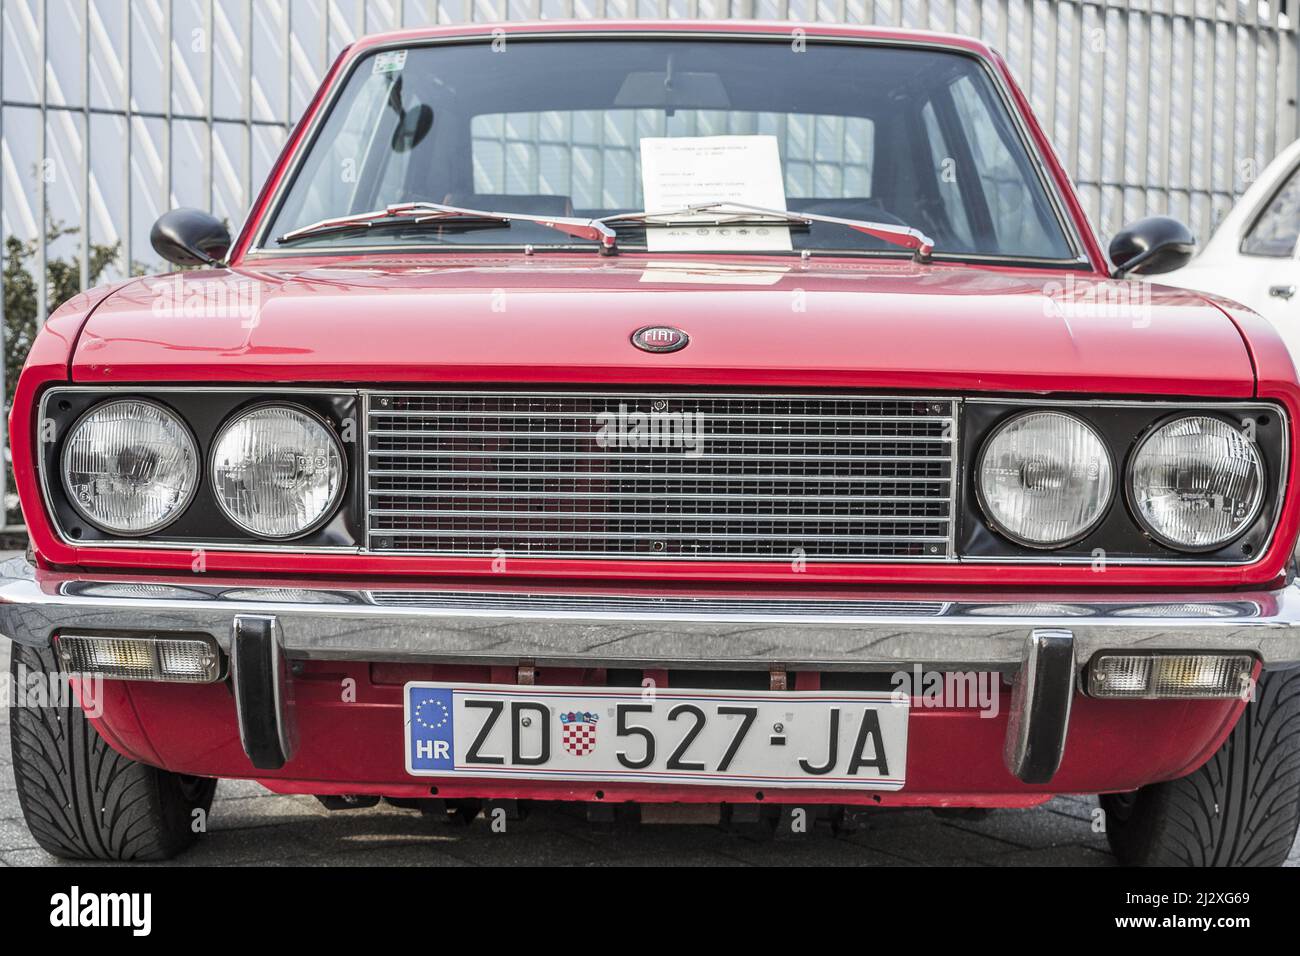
263, 692
1040, 706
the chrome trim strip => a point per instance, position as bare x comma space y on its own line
955, 479
527, 389
652, 456
725, 436
665, 536
1079, 263
614, 496
739, 416
684, 607
858, 630
685, 516
434, 473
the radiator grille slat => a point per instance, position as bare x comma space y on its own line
674, 475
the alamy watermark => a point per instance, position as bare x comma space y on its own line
39, 689
979, 690
80, 909
657, 428
1073, 298
227, 297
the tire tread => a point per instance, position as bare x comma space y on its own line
83, 800
1241, 808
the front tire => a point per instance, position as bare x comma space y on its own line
81, 799
1241, 809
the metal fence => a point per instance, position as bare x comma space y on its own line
114, 110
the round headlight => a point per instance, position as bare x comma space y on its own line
130, 467
1196, 482
277, 471
1045, 479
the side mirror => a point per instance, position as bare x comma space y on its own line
190, 237
1151, 246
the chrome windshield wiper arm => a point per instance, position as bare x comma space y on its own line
421, 213
904, 236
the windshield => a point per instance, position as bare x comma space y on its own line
597, 128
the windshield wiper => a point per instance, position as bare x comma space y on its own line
601, 231
732, 213
426, 213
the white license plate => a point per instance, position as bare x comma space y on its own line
728, 738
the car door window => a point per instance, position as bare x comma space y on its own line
1275, 231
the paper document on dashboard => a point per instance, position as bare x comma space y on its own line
681, 171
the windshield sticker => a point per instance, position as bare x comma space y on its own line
678, 172
390, 61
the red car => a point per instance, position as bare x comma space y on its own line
737, 415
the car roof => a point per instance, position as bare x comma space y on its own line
758, 28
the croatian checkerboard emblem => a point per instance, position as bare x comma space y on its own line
578, 732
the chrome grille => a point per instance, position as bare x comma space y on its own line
672, 475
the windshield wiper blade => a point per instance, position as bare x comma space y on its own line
424, 213
732, 212
361, 220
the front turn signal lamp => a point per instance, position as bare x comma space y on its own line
175, 660
1170, 676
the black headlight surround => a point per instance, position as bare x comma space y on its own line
1119, 538
204, 411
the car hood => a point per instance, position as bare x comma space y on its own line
565, 318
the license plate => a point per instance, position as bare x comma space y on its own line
719, 738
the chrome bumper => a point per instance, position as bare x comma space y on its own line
1042, 641
639, 627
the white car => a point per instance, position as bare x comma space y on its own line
1253, 255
